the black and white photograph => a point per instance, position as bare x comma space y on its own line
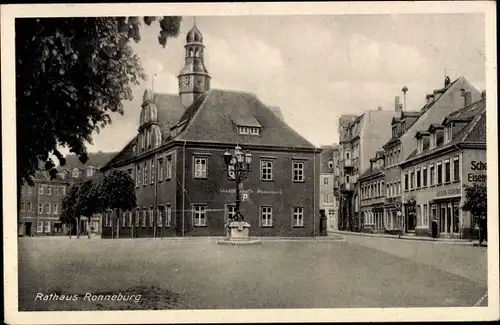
250, 162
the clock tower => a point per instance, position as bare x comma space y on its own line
194, 79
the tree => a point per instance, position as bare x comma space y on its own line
117, 192
477, 204
71, 74
69, 208
82, 200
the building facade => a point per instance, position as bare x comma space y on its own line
183, 186
439, 104
372, 196
328, 201
41, 204
361, 137
449, 155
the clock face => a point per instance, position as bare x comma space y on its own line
186, 82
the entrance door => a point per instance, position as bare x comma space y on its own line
442, 218
448, 218
28, 226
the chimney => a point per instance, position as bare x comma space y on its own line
447, 81
483, 94
429, 98
466, 94
397, 105
379, 108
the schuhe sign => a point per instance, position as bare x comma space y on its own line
476, 176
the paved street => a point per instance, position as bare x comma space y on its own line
198, 273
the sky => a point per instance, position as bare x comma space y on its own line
315, 68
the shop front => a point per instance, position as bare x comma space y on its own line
445, 209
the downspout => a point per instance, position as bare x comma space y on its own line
314, 193
460, 160
183, 187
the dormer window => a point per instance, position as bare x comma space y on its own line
75, 173
448, 132
420, 145
432, 142
248, 130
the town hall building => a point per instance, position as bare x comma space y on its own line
181, 180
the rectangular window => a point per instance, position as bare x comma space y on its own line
49, 190
159, 217
426, 215
298, 217
168, 167
145, 179
29, 206
153, 171
144, 217
412, 180
56, 190
137, 217
325, 181
266, 216
298, 171
129, 171
22, 189
22, 206
40, 189
432, 175
447, 171
129, 214
63, 190
439, 173
89, 172
419, 178
150, 217
138, 176
399, 187
230, 212
47, 208
40, 208
200, 167
456, 169
39, 227
160, 170
254, 131
168, 215
243, 130
406, 182
56, 209
266, 170
199, 215
424, 176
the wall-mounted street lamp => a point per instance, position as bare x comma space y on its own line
238, 168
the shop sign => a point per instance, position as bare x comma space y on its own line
448, 192
477, 177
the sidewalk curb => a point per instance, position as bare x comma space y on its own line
414, 238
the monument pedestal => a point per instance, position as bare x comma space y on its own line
238, 234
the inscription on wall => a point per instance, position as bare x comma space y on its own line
451, 191
477, 177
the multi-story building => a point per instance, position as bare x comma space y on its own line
439, 104
360, 140
372, 195
328, 202
448, 155
182, 183
41, 205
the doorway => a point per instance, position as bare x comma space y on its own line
442, 219
28, 226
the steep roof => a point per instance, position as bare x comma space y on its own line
438, 93
170, 111
473, 132
277, 111
96, 159
209, 119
